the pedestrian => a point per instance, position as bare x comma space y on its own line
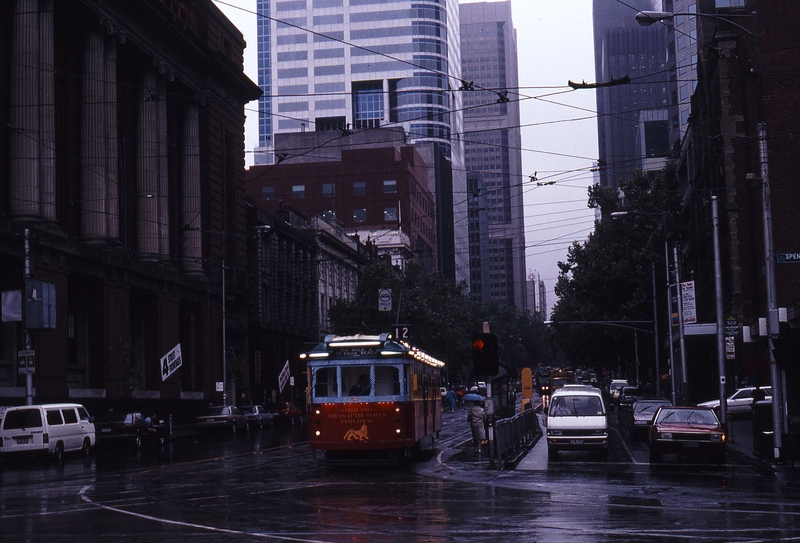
758, 395
476, 418
451, 398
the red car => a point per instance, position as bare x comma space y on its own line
130, 428
284, 412
686, 430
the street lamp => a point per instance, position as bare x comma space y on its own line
647, 18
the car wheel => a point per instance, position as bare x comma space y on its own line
137, 442
552, 453
233, 428
87, 447
58, 453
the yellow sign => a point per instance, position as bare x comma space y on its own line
527, 383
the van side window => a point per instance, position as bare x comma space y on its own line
83, 414
54, 417
23, 418
69, 416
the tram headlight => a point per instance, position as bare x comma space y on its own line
317, 411
397, 431
317, 433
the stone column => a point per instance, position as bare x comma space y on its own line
47, 115
192, 238
93, 149
147, 169
112, 165
24, 112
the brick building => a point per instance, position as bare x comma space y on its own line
124, 162
722, 157
383, 188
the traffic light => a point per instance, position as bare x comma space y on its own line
485, 359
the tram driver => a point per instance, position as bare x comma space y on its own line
362, 387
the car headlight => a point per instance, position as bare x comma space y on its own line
555, 432
717, 437
666, 435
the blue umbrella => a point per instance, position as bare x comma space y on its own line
473, 398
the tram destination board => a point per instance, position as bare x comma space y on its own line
787, 258
356, 351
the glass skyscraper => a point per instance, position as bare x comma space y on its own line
492, 150
339, 65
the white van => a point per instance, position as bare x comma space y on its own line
46, 429
576, 420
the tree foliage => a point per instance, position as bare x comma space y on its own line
441, 316
609, 277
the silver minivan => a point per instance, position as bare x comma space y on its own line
52, 429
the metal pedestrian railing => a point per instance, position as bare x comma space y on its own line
513, 436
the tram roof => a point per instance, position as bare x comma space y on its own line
383, 345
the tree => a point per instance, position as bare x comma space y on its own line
441, 316
609, 276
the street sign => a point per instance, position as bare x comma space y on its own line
283, 377
787, 258
171, 362
689, 306
385, 299
27, 361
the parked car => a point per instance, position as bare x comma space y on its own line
740, 402
53, 429
130, 428
642, 413
686, 430
258, 416
221, 418
285, 412
627, 396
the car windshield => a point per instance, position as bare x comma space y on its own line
687, 416
249, 410
576, 406
648, 407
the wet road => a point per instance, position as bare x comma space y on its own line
266, 486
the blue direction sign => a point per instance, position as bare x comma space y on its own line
787, 258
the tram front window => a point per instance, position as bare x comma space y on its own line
325, 383
387, 381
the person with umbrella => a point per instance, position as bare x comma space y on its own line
451, 399
476, 418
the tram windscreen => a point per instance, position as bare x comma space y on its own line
357, 380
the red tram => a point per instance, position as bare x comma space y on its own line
372, 397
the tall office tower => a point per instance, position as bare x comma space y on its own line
633, 119
342, 65
681, 53
492, 144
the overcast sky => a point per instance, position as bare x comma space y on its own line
559, 130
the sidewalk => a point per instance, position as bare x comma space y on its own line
741, 448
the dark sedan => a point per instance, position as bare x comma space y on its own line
258, 416
642, 414
686, 430
129, 428
222, 418
285, 412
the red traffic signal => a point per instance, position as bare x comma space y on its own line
485, 357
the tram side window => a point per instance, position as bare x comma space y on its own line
325, 382
387, 381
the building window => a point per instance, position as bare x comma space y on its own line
367, 104
390, 214
389, 186
359, 188
267, 193
360, 215
328, 189
298, 191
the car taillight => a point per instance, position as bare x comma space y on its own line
45, 438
